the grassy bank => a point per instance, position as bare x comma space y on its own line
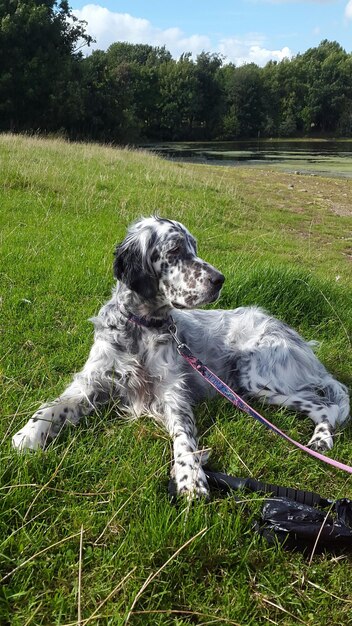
86, 528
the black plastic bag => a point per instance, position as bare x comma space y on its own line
298, 519
303, 527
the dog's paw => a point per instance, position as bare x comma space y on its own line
193, 485
321, 442
28, 438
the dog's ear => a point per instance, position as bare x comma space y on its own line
130, 269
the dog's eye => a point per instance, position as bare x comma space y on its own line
175, 249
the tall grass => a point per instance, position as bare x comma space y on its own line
87, 533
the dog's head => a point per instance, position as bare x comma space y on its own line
158, 260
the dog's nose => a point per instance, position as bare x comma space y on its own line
217, 280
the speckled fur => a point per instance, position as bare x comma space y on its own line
159, 273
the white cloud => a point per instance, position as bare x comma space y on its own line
348, 10
106, 27
250, 50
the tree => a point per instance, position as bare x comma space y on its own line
37, 49
178, 98
245, 96
209, 93
142, 54
135, 92
100, 111
271, 98
328, 85
135, 71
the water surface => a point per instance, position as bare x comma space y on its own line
323, 158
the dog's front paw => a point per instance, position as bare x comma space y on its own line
192, 484
30, 437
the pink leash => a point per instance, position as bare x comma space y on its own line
239, 403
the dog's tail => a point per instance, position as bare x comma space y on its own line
337, 393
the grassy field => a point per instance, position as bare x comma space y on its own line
87, 534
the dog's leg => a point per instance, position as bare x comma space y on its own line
187, 471
284, 370
87, 391
324, 414
46, 423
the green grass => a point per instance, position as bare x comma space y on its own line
284, 242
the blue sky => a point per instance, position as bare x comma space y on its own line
241, 30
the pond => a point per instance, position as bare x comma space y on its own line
319, 157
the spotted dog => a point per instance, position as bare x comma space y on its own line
134, 358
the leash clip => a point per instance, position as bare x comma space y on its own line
182, 348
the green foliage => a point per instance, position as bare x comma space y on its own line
178, 97
245, 94
37, 56
135, 92
141, 54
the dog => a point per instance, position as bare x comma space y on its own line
134, 359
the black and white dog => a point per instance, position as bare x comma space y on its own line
134, 357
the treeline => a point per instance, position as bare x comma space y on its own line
134, 93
